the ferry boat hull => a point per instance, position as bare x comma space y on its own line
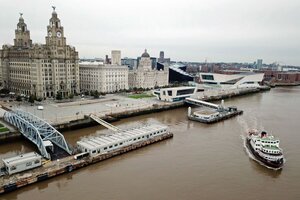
272, 164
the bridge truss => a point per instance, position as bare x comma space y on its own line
37, 131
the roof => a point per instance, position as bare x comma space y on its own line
114, 138
21, 158
91, 63
178, 88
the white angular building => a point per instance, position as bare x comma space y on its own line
146, 77
243, 80
102, 77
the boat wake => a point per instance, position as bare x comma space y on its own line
253, 157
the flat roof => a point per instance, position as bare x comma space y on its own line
93, 143
21, 158
205, 112
178, 88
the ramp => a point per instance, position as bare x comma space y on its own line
104, 123
201, 103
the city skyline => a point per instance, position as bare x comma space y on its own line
218, 31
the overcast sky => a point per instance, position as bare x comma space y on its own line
187, 30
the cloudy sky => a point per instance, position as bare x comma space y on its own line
187, 30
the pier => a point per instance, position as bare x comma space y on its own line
67, 165
215, 113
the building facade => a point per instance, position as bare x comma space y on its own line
174, 94
102, 77
145, 76
43, 70
242, 80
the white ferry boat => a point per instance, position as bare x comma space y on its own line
105, 143
265, 148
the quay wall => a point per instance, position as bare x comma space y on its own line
9, 135
117, 115
68, 164
114, 116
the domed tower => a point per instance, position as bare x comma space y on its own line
22, 35
145, 62
55, 36
145, 54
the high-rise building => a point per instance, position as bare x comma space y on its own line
116, 57
259, 63
130, 62
43, 70
162, 58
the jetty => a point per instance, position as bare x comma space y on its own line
22, 172
215, 113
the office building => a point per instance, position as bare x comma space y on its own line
43, 70
147, 77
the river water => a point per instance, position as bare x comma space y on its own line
200, 162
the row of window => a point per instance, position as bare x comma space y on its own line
269, 151
269, 142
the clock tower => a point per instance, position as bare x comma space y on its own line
55, 32
22, 38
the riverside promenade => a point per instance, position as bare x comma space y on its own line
112, 107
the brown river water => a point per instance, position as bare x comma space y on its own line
200, 162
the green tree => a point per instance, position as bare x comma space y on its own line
92, 93
19, 98
31, 99
96, 94
58, 96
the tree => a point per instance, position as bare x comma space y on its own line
92, 93
4, 91
71, 96
31, 99
19, 98
96, 94
58, 96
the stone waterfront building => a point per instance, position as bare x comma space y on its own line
102, 77
40, 69
146, 77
